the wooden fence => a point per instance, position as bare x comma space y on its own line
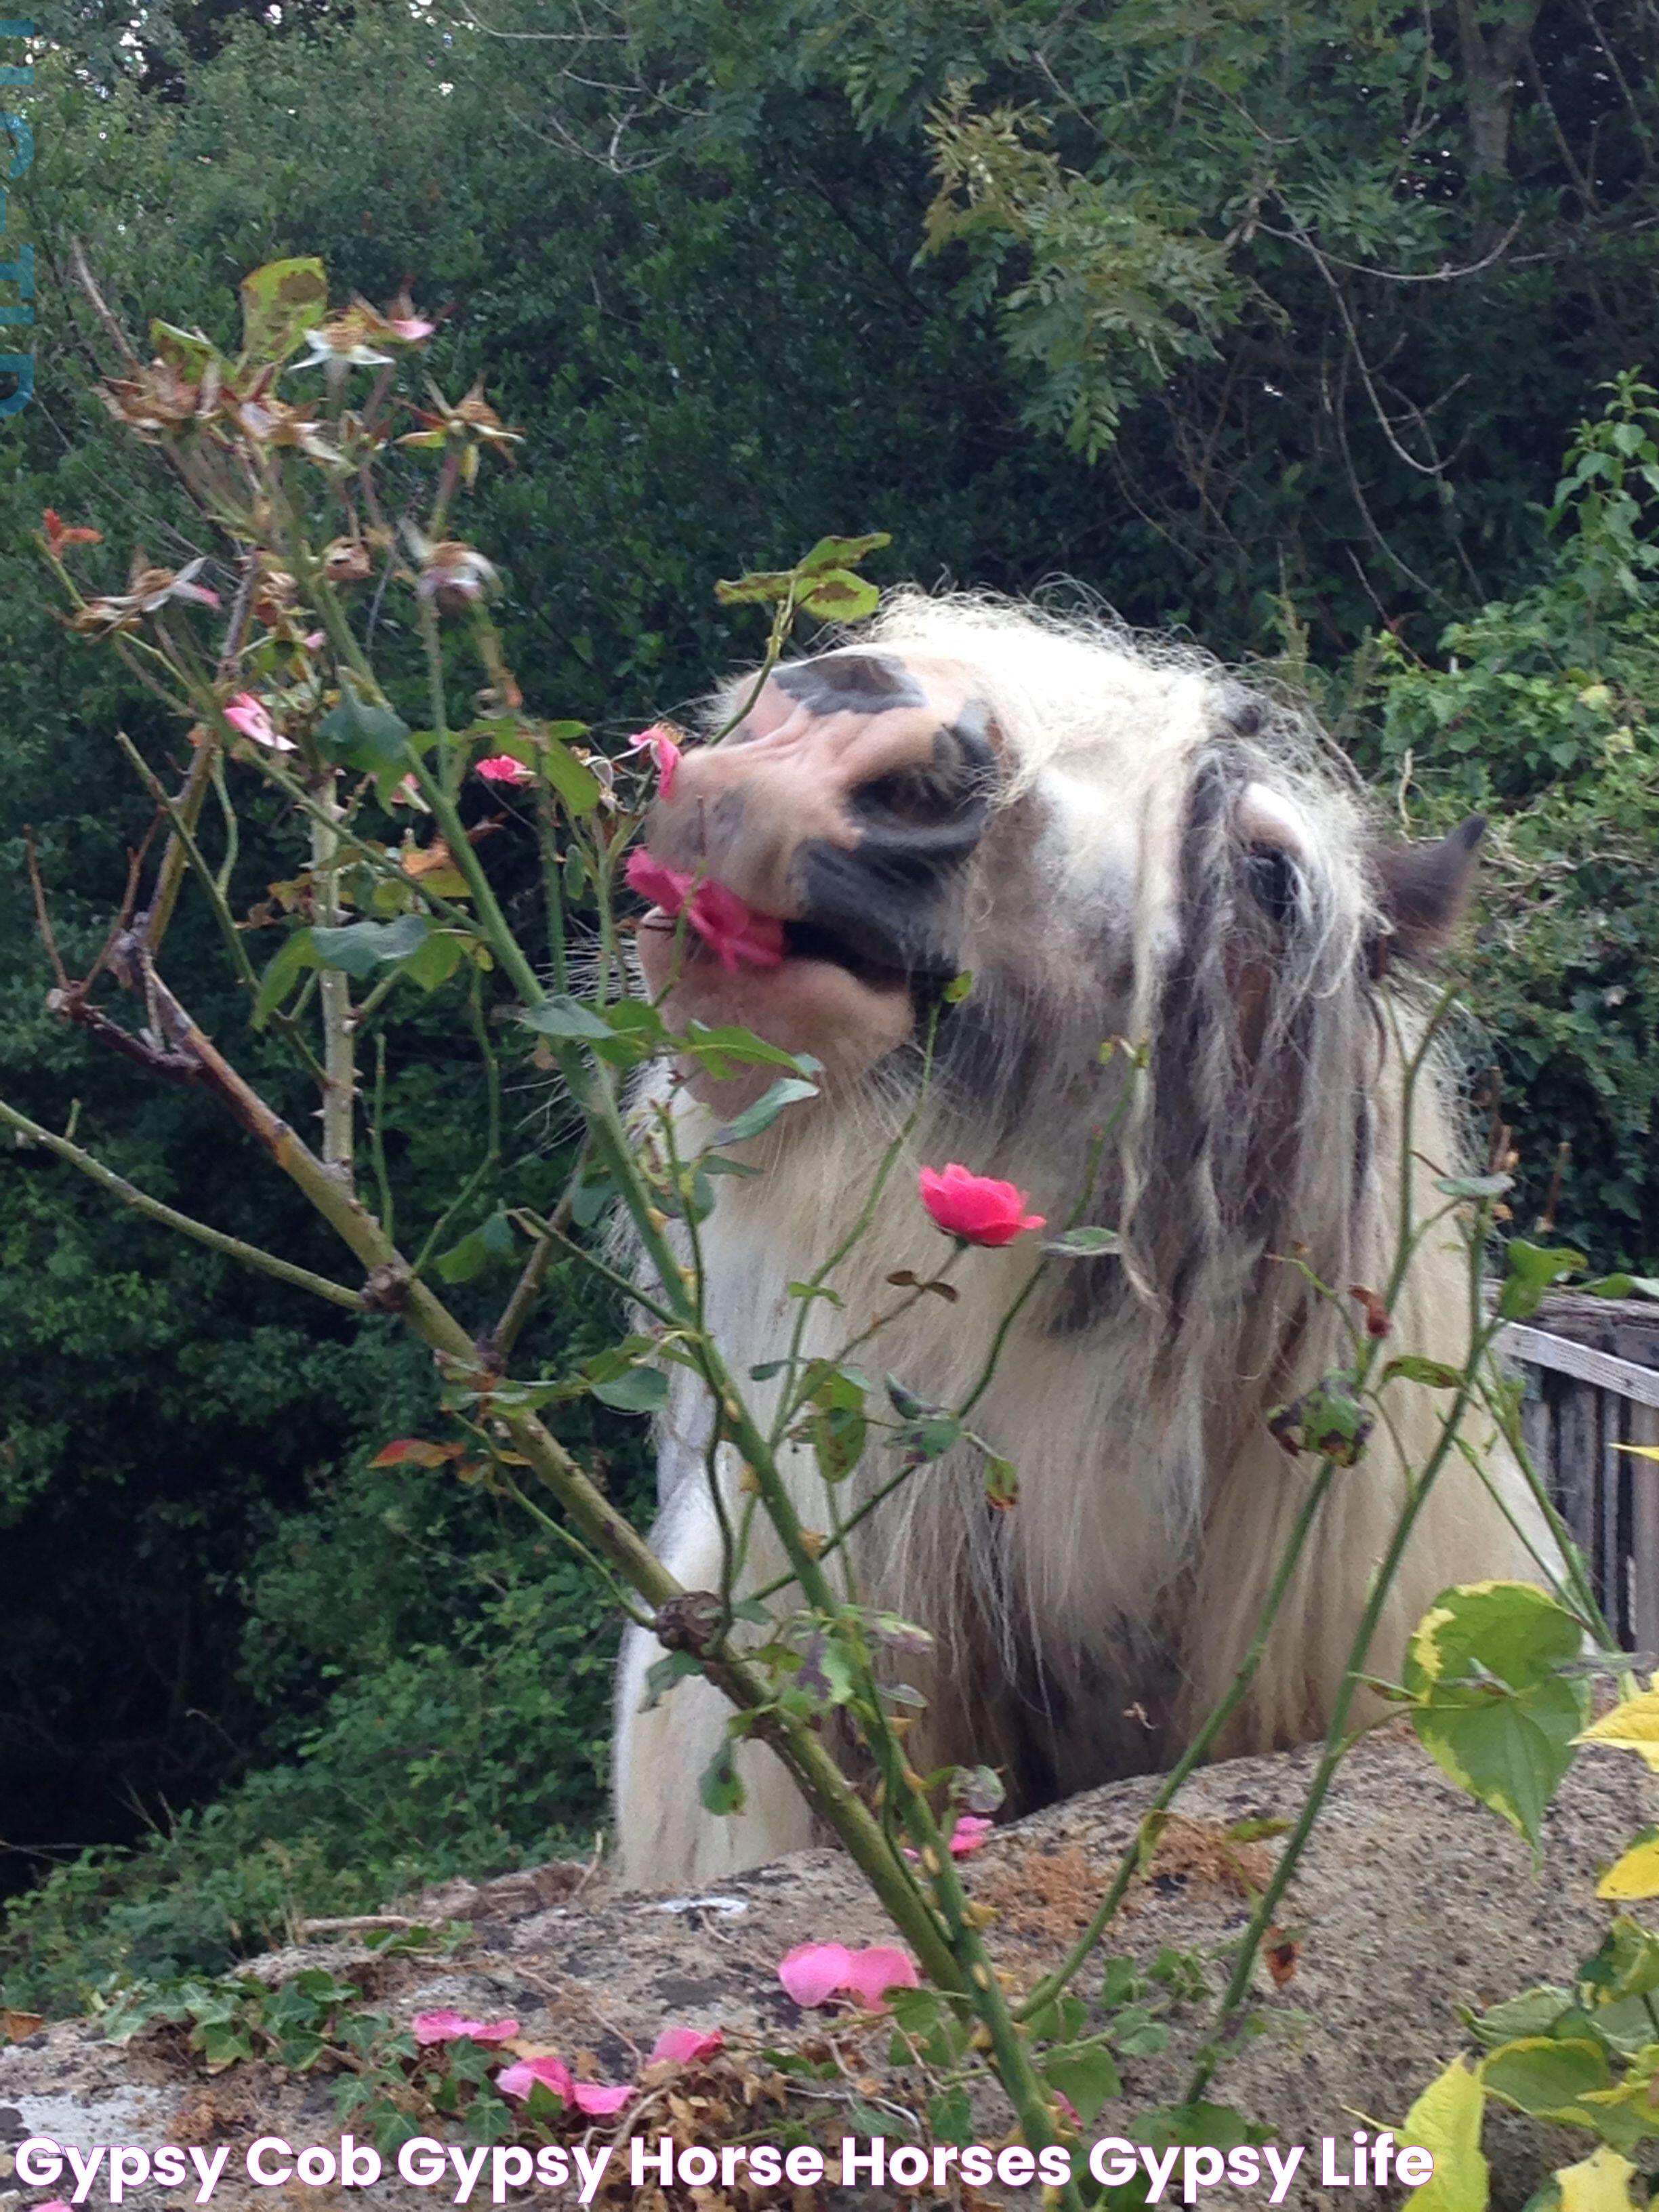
1592, 1375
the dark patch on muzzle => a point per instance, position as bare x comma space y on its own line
850, 682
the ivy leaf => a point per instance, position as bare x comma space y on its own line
762, 587
1622, 1286
1446, 2121
1089, 2078
951, 2117
1489, 1706
786, 1091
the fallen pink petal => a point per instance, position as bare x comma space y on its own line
684, 2046
444, 2027
971, 1832
501, 767
551, 2073
600, 2100
872, 1972
812, 1972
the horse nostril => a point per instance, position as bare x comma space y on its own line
907, 797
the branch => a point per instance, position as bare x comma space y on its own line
234, 1248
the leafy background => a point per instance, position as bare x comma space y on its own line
1162, 299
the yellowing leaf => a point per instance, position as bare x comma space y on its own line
1446, 2121
1636, 1875
1600, 2183
1641, 1451
1633, 1726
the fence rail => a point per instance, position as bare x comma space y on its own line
1592, 1385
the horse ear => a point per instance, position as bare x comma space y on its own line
1423, 891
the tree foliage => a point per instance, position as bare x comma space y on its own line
1269, 322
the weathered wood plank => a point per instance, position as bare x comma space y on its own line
1583, 1362
1578, 1441
1643, 1425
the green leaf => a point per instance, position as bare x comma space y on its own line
574, 781
839, 595
1622, 1286
1488, 1706
719, 1788
1001, 1482
188, 351
563, 1017
788, 1091
1530, 1269
436, 961
951, 2117
1446, 2121
361, 947
296, 953
838, 1437
281, 302
488, 1246
958, 988
1547, 2078
1435, 1372
642, 1390
1486, 1186
762, 587
662, 1674
725, 1048
841, 552
1535, 2013
1081, 1243
372, 739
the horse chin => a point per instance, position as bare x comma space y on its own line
847, 1020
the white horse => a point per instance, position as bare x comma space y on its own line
1117, 840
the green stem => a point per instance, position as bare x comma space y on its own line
234, 1248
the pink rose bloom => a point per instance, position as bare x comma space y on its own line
446, 2026
501, 767
684, 2046
663, 751
734, 931
977, 1208
248, 717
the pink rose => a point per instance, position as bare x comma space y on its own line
734, 931
977, 1208
660, 744
501, 767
